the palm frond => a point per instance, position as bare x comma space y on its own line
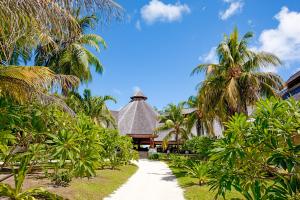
93, 40
93, 60
207, 68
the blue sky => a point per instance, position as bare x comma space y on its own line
159, 42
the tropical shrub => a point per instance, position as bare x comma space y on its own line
116, 148
56, 142
178, 160
19, 176
62, 178
200, 145
258, 156
154, 156
198, 170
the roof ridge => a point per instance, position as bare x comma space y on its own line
134, 116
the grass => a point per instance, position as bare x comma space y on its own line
192, 191
99, 187
106, 182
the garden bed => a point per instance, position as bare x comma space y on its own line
192, 191
96, 188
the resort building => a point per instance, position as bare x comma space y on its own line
293, 87
139, 120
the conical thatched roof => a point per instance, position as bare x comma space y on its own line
137, 117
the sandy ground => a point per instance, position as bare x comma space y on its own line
153, 181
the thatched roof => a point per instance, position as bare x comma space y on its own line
293, 78
137, 117
293, 87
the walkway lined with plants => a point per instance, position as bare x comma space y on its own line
153, 180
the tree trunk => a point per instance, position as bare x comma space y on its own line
177, 143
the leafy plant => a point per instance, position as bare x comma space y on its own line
200, 145
198, 170
16, 193
154, 156
93, 106
175, 123
178, 161
62, 178
258, 157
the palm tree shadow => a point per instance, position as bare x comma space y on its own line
180, 174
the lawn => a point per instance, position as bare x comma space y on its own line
99, 187
192, 191
96, 188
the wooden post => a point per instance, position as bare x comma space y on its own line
151, 142
139, 144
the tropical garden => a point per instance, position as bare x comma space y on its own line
51, 132
48, 131
257, 154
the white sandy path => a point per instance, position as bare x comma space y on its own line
152, 181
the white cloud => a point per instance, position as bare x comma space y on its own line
269, 69
156, 10
283, 41
234, 8
210, 57
138, 25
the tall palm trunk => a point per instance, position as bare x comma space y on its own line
177, 142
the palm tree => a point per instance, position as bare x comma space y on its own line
204, 121
93, 106
27, 83
72, 57
175, 123
236, 81
199, 171
26, 23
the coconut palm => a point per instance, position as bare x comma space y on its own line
27, 83
175, 123
199, 171
93, 106
236, 81
72, 57
26, 23
204, 121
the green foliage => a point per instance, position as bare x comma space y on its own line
198, 170
93, 106
175, 123
117, 149
178, 160
19, 176
200, 145
70, 56
62, 178
258, 157
154, 156
236, 82
51, 139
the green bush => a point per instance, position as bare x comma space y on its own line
198, 170
75, 144
258, 157
178, 160
116, 148
154, 156
62, 178
200, 145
